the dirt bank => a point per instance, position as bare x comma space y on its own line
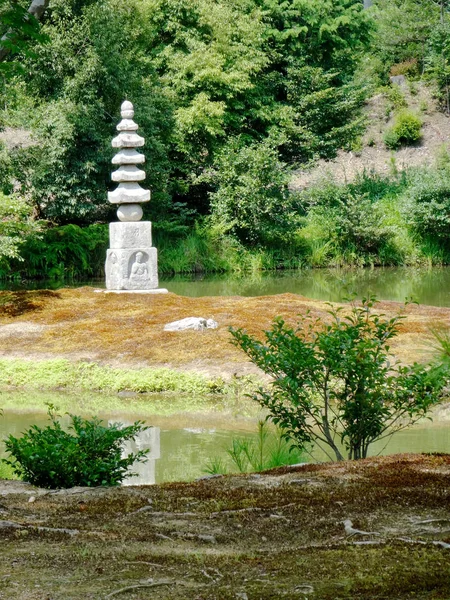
276, 535
127, 330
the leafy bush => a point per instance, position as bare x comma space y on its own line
252, 196
427, 204
338, 381
90, 456
406, 130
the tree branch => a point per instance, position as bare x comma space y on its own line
37, 9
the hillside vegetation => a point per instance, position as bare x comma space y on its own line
275, 136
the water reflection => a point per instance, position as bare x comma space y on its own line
144, 472
425, 285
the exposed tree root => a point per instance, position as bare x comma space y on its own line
139, 586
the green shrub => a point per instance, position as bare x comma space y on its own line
89, 456
406, 130
252, 197
427, 204
338, 381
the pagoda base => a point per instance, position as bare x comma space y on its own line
133, 269
155, 291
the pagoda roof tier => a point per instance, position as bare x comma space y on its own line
128, 157
128, 173
127, 139
127, 125
127, 193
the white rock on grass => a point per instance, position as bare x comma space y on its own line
193, 323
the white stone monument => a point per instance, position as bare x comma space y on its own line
131, 260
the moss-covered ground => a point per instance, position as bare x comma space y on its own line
115, 342
275, 535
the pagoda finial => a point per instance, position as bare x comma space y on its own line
127, 110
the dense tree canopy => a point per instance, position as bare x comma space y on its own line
229, 95
201, 72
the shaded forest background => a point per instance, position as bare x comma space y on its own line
233, 97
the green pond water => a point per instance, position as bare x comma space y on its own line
184, 441
183, 444
424, 285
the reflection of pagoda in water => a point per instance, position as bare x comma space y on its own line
146, 472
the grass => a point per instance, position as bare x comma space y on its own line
267, 450
61, 374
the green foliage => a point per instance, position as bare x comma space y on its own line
19, 30
16, 226
278, 77
252, 197
89, 454
349, 219
64, 253
6, 472
437, 61
267, 450
338, 382
403, 28
427, 204
406, 130
78, 80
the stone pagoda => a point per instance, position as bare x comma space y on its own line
131, 260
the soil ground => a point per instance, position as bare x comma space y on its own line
373, 155
278, 534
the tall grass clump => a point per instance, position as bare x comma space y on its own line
268, 449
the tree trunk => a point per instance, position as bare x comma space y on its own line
37, 8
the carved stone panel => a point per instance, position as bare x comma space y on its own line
136, 234
131, 269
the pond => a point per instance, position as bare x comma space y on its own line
423, 285
426, 286
182, 445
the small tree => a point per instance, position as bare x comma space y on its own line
90, 456
337, 381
